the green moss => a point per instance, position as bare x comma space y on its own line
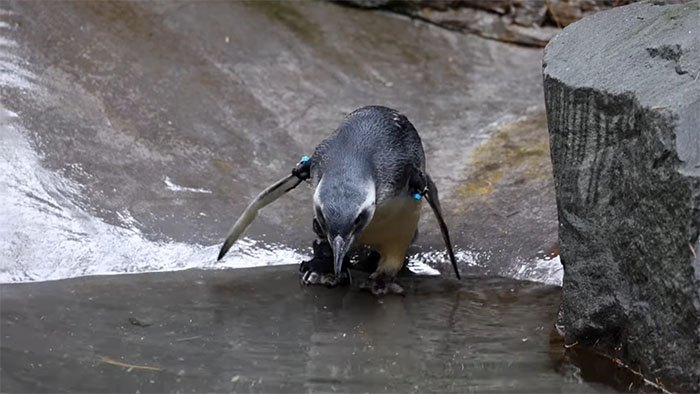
285, 13
220, 164
127, 14
518, 152
686, 10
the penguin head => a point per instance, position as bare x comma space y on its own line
344, 207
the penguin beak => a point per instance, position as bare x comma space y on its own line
340, 247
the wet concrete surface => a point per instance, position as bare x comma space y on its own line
133, 133
257, 330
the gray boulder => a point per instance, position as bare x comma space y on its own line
622, 90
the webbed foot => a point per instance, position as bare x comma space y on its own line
381, 284
319, 270
330, 280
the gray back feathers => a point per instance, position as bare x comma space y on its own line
372, 142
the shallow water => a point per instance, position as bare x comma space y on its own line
257, 330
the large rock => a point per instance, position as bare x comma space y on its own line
622, 89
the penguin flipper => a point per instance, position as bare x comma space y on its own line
299, 174
427, 188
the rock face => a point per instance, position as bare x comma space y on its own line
622, 90
527, 22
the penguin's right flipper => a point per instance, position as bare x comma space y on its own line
299, 174
431, 194
425, 186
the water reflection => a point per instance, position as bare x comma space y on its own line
481, 335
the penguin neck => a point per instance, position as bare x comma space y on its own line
346, 183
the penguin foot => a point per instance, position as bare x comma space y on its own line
380, 285
309, 278
319, 270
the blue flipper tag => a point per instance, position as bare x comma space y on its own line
417, 196
304, 159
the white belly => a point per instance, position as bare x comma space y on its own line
391, 231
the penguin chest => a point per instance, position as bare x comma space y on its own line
393, 225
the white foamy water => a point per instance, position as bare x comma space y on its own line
545, 270
422, 263
177, 188
46, 236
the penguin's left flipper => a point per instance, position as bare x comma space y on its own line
299, 174
422, 183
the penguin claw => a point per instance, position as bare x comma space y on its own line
395, 288
310, 278
319, 270
380, 286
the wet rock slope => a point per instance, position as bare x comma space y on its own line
133, 133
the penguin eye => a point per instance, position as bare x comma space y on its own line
361, 218
319, 217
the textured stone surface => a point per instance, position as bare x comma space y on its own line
527, 22
623, 103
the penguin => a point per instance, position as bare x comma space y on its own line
370, 180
